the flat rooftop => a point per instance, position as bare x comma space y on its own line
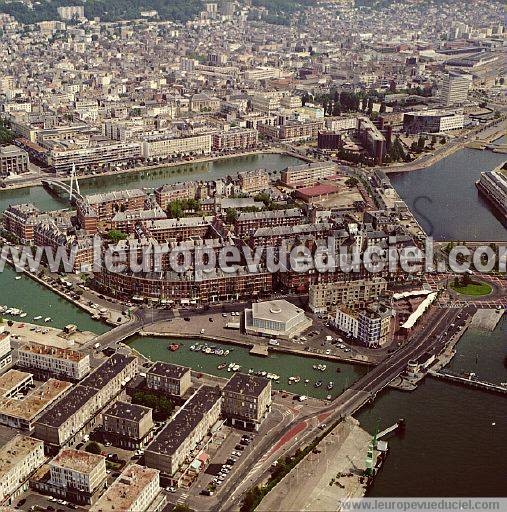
109, 369
248, 385
131, 412
125, 489
15, 450
76, 460
34, 403
56, 352
68, 406
11, 379
116, 195
184, 421
169, 370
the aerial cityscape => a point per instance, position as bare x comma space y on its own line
253, 255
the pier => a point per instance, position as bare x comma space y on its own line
467, 381
399, 424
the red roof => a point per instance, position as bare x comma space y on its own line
317, 190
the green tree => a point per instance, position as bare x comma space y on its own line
93, 447
231, 215
115, 235
351, 182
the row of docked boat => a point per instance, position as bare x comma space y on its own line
12, 311
233, 367
209, 349
320, 367
6, 310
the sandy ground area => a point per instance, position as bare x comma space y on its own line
322, 479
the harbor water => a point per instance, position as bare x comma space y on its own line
284, 365
454, 441
446, 201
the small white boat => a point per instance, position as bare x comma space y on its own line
17, 278
47, 319
23, 315
16, 311
37, 317
226, 353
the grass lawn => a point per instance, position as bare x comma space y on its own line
474, 289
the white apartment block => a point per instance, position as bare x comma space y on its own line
162, 148
455, 89
77, 470
19, 458
5, 349
61, 362
135, 489
325, 296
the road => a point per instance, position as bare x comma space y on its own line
349, 402
140, 318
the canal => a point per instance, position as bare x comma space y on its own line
152, 178
37, 300
445, 200
284, 365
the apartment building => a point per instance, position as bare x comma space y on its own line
186, 429
45, 360
324, 297
136, 489
285, 235
78, 248
179, 229
68, 12
61, 158
14, 382
60, 424
20, 220
127, 425
455, 89
235, 139
256, 180
77, 412
19, 458
128, 221
372, 139
169, 378
246, 400
22, 412
87, 217
13, 160
188, 288
109, 378
267, 103
5, 349
73, 475
292, 130
177, 146
107, 204
371, 326
248, 223
168, 193
304, 175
